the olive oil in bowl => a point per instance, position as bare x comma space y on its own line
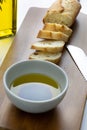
35, 87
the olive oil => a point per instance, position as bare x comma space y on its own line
35, 87
8, 18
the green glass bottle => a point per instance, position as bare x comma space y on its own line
8, 18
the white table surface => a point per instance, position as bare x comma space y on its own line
24, 5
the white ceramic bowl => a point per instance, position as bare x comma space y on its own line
35, 66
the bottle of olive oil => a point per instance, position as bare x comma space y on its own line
8, 18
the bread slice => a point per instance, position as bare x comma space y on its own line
52, 57
63, 12
45, 34
51, 46
58, 28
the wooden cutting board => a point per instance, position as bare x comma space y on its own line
68, 114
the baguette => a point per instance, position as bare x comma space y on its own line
63, 12
52, 57
58, 28
51, 46
46, 34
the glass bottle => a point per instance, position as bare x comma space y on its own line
8, 18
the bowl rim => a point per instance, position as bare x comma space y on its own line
34, 101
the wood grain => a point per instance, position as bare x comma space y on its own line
68, 114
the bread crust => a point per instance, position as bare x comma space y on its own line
46, 34
37, 55
63, 12
51, 46
58, 28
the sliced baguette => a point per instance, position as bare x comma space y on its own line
63, 12
45, 34
52, 57
58, 28
51, 46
